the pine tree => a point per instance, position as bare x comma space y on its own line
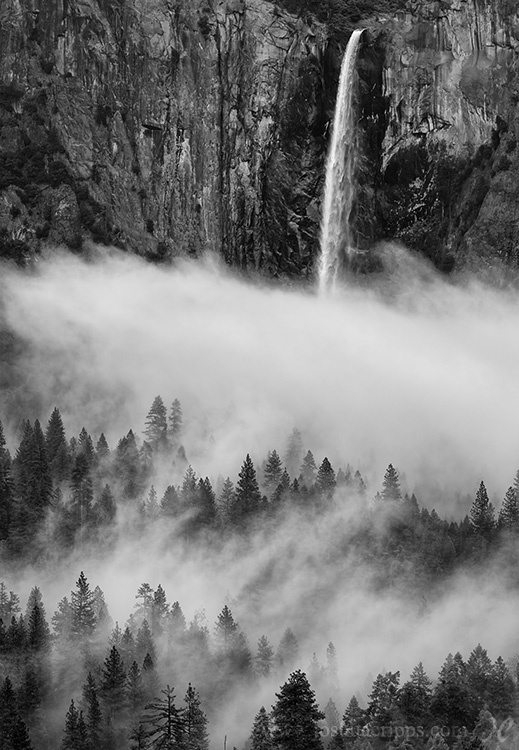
391, 491
226, 629
159, 610
83, 612
502, 691
331, 718
105, 508
248, 497
288, 650
144, 606
149, 677
226, 500
293, 452
74, 733
308, 470
332, 671
325, 480
164, 721
272, 472
57, 448
414, 697
482, 513
113, 682
175, 421
354, 719
102, 616
62, 619
261, 737
169, 505
478, 677
509, 514
295, 716
451, 701
156, 430
38, 632
92, 712
382, 702
264, 658
134, 689
144, 643
194, 723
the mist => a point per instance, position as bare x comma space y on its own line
410, 369
423, 377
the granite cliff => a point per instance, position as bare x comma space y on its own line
172, 127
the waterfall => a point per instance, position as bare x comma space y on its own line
336, 235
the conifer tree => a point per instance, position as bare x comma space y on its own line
149, 678
164, 721
134, 689
144, 605
354, 719
62, 619
74, 733
194, 722
156, 430
295, 716
93, 713
509, 514
288, 650
450, 704
113, 682
332, 718
332, 671
261, 737
391, 491
264, 659
226, 629
83, 622
382, 702
105, 508
294, 452
414, 697
144, 643
482, 516
169, 505
325, 480
175, 421
272, 472
38, 632
308, 470
57, 447
248, 497
159, 610
502, 691
226, 500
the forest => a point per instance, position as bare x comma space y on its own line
77, 680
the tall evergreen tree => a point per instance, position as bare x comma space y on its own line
261, 737
264, 659
156, 430
354, 719
391, 485
83, 610
288, 650
272, 472
175, 421
308, 470
296, 716
164, 721
294, 452
57, 447
482, 514
194, 722
325, 480
74, 733
113, 682
509, 514
248, 496
93, 713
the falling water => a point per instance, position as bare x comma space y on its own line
336, 235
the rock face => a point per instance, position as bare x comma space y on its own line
172, 127
449, 164
164, 126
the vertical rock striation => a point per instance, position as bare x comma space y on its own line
164, 126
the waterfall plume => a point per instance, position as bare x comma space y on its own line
336, 233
